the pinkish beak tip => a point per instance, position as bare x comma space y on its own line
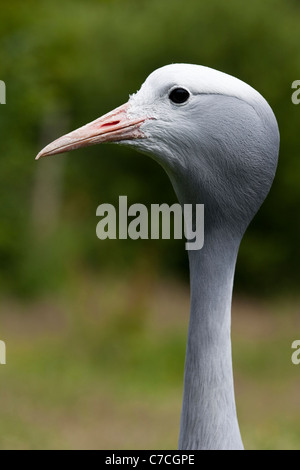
114, 126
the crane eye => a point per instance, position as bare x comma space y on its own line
179, 95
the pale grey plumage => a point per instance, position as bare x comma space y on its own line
220, 149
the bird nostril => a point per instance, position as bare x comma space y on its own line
111, 123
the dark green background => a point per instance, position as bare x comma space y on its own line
65, 64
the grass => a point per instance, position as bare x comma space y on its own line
101, 367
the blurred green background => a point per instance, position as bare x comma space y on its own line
95, 330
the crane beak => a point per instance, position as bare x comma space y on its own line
112, 127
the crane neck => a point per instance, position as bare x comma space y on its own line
208, 419
208, 416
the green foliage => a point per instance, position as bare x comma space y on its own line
66, 63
